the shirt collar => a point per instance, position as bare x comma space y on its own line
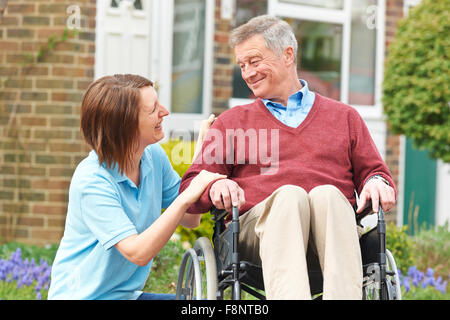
119, 177
295, 97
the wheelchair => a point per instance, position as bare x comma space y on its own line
207, 270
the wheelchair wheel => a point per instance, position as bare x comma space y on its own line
397, 292
197, 279
371, 285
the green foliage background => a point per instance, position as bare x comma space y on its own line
416, 91
180, 155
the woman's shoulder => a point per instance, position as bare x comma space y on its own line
90, 172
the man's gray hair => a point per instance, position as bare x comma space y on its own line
277, 33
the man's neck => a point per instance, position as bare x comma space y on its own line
295, 86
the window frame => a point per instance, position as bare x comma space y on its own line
342, 17
162, 30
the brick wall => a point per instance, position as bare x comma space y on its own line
40, 142
223, 63
394, 12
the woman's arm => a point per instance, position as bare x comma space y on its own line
141, 248
193, 220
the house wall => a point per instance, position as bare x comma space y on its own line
40, 142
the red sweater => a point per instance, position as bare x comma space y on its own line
331, 146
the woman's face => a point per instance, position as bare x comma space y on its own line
151, 115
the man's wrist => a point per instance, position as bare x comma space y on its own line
378, 177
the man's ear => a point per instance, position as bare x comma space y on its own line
289, 56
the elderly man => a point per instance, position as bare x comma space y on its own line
294, 160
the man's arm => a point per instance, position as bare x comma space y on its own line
368, 164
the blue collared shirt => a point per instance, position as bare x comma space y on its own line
104, 208
298, 106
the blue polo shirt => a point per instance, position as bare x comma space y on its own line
104, 208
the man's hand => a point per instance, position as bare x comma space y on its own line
379, 192
198, 185
226, 193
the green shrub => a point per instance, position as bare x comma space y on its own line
416, 91
180, 154
428, 293
46, 253
400, 245
166, 264
431, 248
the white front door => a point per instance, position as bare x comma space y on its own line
123, 37
169, 42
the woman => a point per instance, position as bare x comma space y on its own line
114, 227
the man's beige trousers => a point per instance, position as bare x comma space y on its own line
275, 234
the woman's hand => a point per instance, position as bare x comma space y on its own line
198, 185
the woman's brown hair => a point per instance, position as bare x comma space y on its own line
110, 118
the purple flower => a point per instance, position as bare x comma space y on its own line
411, 271
26, 272
405, 284
429, 273
427, 282
441, 287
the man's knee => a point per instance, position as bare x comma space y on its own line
289, 201
329, 196
326, 191
289, 192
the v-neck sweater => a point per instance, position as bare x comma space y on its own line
332, 146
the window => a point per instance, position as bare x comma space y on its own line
245, 10
188, 56
340, 46
319, 55
137, 5
182, 51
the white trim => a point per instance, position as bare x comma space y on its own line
164, 51
346, 51
305, 12
232, 102
185, 122
99, 47
442, 209
379, 57
154, 40
401, 181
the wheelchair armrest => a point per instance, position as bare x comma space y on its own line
366, 211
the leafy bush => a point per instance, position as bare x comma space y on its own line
400, 245
165, 267
416, 91
431, 247
180, 154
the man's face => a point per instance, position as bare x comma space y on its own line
261, 68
